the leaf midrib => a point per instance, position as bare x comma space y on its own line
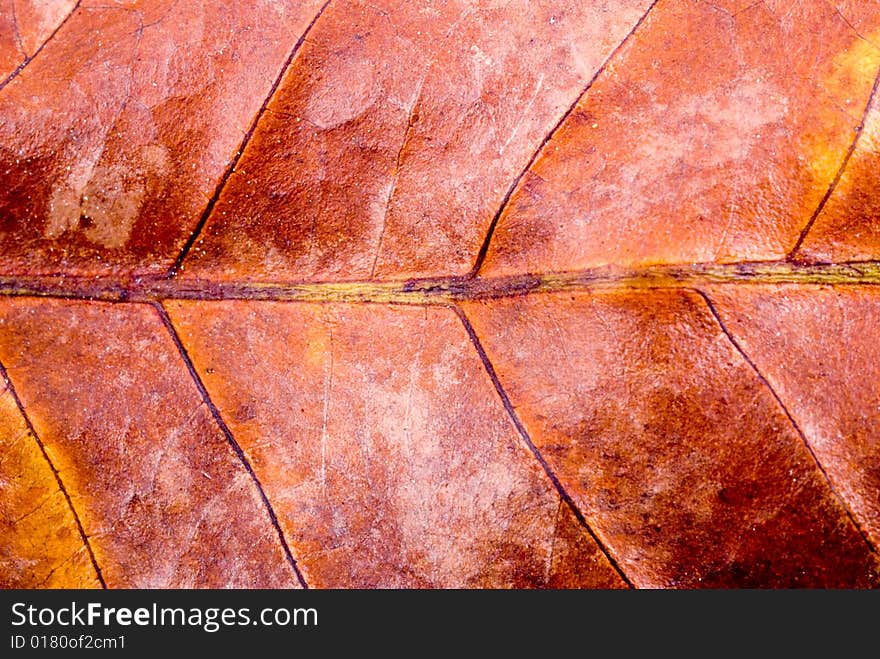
444, 290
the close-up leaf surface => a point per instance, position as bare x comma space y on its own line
439, 294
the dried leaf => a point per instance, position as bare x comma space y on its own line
448, 294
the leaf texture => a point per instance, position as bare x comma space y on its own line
439, 294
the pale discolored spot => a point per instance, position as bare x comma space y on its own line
104, 201
346, 90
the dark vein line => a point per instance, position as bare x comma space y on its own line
484, 248
227, 433
524, 434
860, 129
230, 169
27, 60
82, 532
849, 24
736, 344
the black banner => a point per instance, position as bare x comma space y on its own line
61, 622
